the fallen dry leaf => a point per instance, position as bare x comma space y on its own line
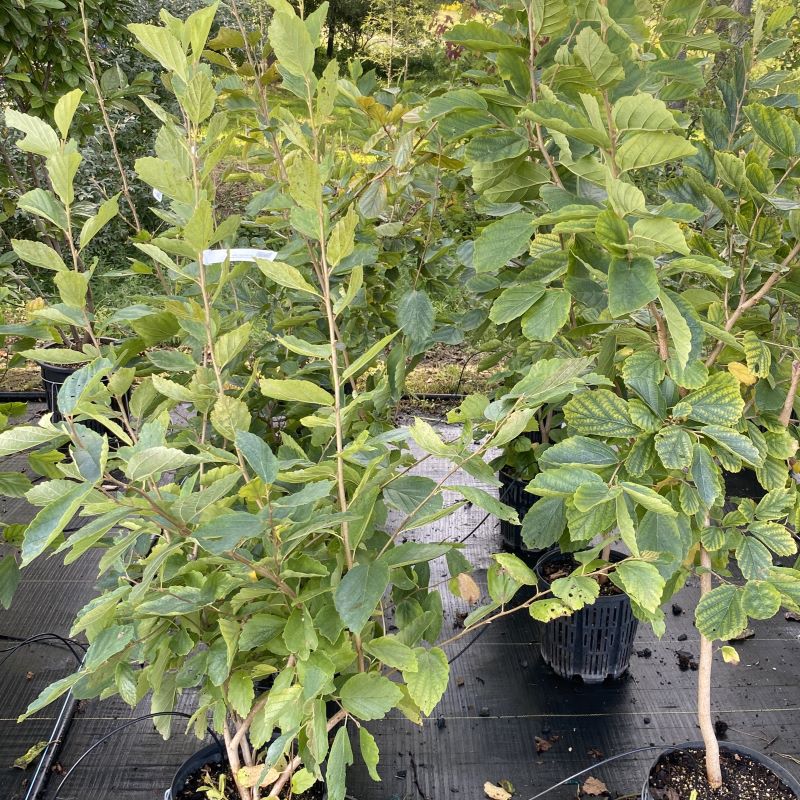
542, 745
594, 787
468, 589
495, 792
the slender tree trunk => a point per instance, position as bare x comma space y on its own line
713, 769
331, 30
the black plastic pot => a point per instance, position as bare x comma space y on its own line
512, 493
53, 378
743, 484
210, 754
594, 643
759, 758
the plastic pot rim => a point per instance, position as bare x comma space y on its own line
761, 758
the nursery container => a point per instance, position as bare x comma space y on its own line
594, 643
512, 493
730, 747
743, 484
53, 378
210, 754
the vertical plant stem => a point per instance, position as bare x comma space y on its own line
713, 768
788, 406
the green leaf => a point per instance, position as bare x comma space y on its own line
515, 301
44, 204
38, 254
342, 239
366, 359
49, 694
589, 495
576, 591
369, 695
544, 523
642, 582
9, 579
579, 451
295, 391
107, 211
548, 610
229, 415
779, 131
286, 275
562, 481
152, 461
761, 600
427, 685
649, 148
648, 498
642, 112
734, 443
658, 235
547, 315
774, 536
501, 241
198, 98
391, 651
360, 591
50, 522
341, 756
258, 455
487, 502
24, 437
659, 533
65, 109
72, 288
720, 615
39, 137
56, 355
519, 571
753, 558
292, 44
597, 57
416, 315
678, 328
706, 475
625, 198
369, 752
159, 43
600, 413
107, 643
631, 285
719, 402
674, 447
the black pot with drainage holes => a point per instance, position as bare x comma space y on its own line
594, 643
737, 749
512, 493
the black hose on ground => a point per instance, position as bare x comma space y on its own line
122, 728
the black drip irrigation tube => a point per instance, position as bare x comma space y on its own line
34, 396
65, 715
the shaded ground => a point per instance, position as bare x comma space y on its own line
485, 729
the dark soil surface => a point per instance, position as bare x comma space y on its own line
565, 564
678, 774
209, 776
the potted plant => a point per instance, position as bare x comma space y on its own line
258, 577
75, 335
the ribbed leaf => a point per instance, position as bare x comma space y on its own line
597, 57
753, 558
719, 614
706, 475
757, 354
674, 447
576, 591
562, 482
719, 402
631, 285
648, 498
760, 600
501, 241
642, 112
641, 581
547, 315
679, 329
579, 451
544, 523
600, 413
515, 301
734, 443
650, 147
779, 131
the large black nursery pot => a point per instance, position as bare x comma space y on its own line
53, 378
594, 643
210, 754
512, 493
773, 766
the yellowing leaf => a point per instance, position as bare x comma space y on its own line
468, 589
742, 373
249, 776
495, 792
